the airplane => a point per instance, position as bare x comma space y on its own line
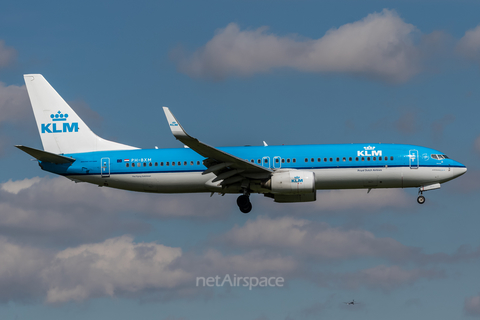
284, 173
351, 303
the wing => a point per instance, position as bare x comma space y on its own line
227, 167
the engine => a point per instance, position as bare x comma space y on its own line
291, 182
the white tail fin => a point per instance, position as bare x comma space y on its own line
60, 128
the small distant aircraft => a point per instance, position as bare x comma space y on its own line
351, 303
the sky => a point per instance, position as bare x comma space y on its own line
238, 73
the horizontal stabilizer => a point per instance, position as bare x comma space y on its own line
46, 156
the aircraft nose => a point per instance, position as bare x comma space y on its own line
458, 171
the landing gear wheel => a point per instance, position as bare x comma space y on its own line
247, 208
421, 199
244, 203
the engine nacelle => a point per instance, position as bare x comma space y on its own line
292, 182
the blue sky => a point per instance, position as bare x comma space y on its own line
237, 73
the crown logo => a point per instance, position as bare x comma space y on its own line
59, 116
297, 177
369, 148
174, 124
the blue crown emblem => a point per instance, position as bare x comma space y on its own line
369, 148
59, 116
174, 124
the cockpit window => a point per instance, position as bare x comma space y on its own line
439, 156
445, 156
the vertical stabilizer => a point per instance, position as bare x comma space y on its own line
60, 128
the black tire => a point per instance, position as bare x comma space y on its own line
421, 199
246, 209
243, 201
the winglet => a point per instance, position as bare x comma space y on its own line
175, 126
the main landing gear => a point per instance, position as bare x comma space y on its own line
244, 203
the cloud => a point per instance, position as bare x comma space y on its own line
386, 278
14, 103
113, 267
7, 54
120, 267
319, 241
469, 45
472, 306
15, 187
19, 272
56, 210
381, 46
315, 240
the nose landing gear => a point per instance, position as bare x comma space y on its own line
421, 198
244, 203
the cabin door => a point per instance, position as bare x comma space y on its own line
413, 155
105, 167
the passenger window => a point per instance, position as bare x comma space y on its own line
331, 159
179, 163
344, 159
319, 159
313, 160
156, 164
127, 164
374, 158
150, 164
325, 159
184, 163
144, 164
294, 160
133, 164
368, 158
283, 160
191, 163
252, 161
198, 163
288, 160
276, 160
161, 164
363, 158
265, 160
259, 161
350, 159
306, 159
356, 159
391, 158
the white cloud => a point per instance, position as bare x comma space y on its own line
14, 103
380, 46
15, 187
120, 267
60, 211
387, 278
111, 268
469, 44
7, 54
19, 271
315, 240
472, 306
